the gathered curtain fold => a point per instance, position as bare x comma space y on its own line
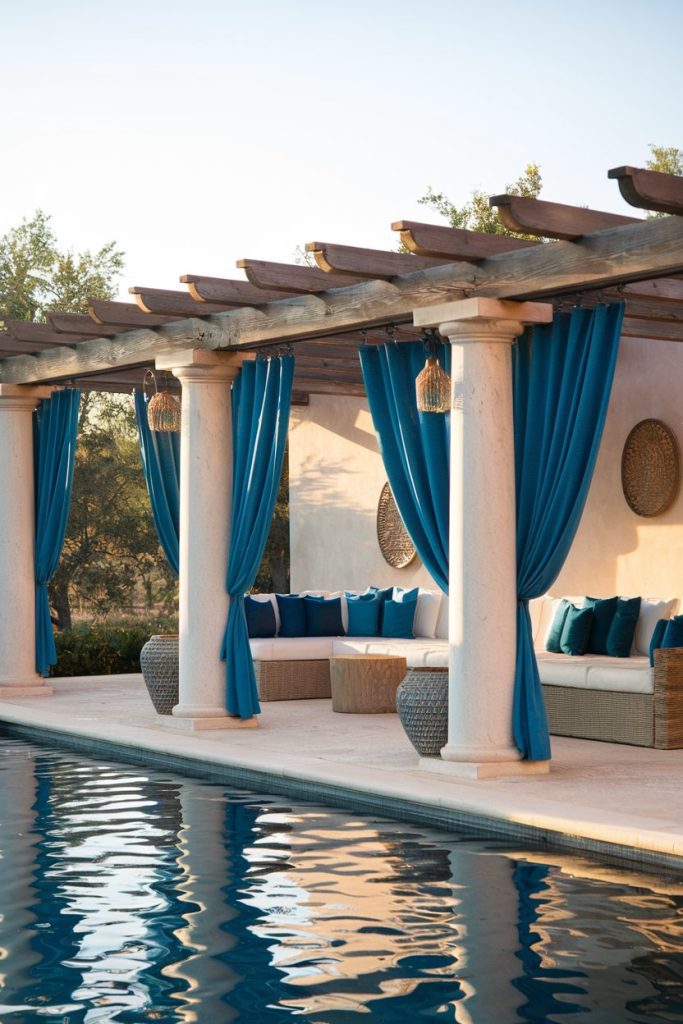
160, 455
415, 447
261, 398
562, 379
55, 427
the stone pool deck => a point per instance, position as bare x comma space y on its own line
616, 801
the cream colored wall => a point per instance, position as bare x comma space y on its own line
616, 551
336, 475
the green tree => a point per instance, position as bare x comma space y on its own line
667, 160
476, 214
37, 277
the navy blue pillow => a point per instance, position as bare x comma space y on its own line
657, 637
260, 617
620, 636
576, 630
673, 634
323, 616
364, 612
604, 610
292, 614
398, 618
555, 632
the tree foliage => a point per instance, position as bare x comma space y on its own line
476, 214
666, 160
37, 277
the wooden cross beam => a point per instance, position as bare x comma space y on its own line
43, 335
553, 220
292, 277
230, 293
650, 190
454, 243
174, 303
349, 259
124, 314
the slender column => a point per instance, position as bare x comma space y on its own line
18, 676
205, 516
482, 560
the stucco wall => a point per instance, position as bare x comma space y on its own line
336, 475
616, 551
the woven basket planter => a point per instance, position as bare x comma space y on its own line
422, 706
159, 664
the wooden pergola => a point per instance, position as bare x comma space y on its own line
478, 290
356, 295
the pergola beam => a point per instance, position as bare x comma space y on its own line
228, 292
349, 259
291, 277
437, 240
650, 190
607, 258
124, 314
553, 220
174, 303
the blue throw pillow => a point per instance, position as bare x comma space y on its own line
398, 618
604, 610
620, 636
260, 617
555, 632
576, 630
384, 595
364, 612
657, 637
673, 634
292, 614
323, 616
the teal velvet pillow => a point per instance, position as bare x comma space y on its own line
364, 611
604, 610
673, 634
576, 630
382, 595
620, 636
292, 614
398, 618
323, 616
555, 632
657, 637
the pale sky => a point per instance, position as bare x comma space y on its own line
198, 133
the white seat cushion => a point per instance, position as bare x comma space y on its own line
292, 648
418, 653
596, 672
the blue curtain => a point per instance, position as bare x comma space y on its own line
261, 399
160, 453
55, 425
415, 447
562, 378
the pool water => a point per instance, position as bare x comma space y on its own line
129, 896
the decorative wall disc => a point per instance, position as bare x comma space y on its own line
650, 468
394, 541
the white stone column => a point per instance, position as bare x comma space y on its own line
205, 517
482, 569
18, 676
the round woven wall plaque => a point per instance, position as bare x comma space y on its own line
394, 541
650, 469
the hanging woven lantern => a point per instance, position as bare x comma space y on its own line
163, 410
432, 384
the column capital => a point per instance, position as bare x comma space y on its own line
200, 364
22, 396
482, 318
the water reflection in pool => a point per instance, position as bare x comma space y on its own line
130, 896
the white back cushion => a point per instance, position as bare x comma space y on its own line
442, 621
650, 614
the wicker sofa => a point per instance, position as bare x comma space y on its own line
620, 700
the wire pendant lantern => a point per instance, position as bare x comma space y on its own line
163, 409
432, 384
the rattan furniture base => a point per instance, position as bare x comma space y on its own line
366, 684
642, 719
292, 680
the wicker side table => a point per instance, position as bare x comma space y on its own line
365, 684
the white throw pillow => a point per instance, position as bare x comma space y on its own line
427, 613
650, 614
442, 621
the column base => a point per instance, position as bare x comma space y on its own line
483, 769
188, 723
28, 690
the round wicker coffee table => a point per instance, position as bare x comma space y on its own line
365, 684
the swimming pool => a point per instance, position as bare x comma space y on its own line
131, 896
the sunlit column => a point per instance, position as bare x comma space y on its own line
18, 676
482, 560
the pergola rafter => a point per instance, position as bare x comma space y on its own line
353, 293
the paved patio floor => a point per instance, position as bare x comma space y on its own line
604, 797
